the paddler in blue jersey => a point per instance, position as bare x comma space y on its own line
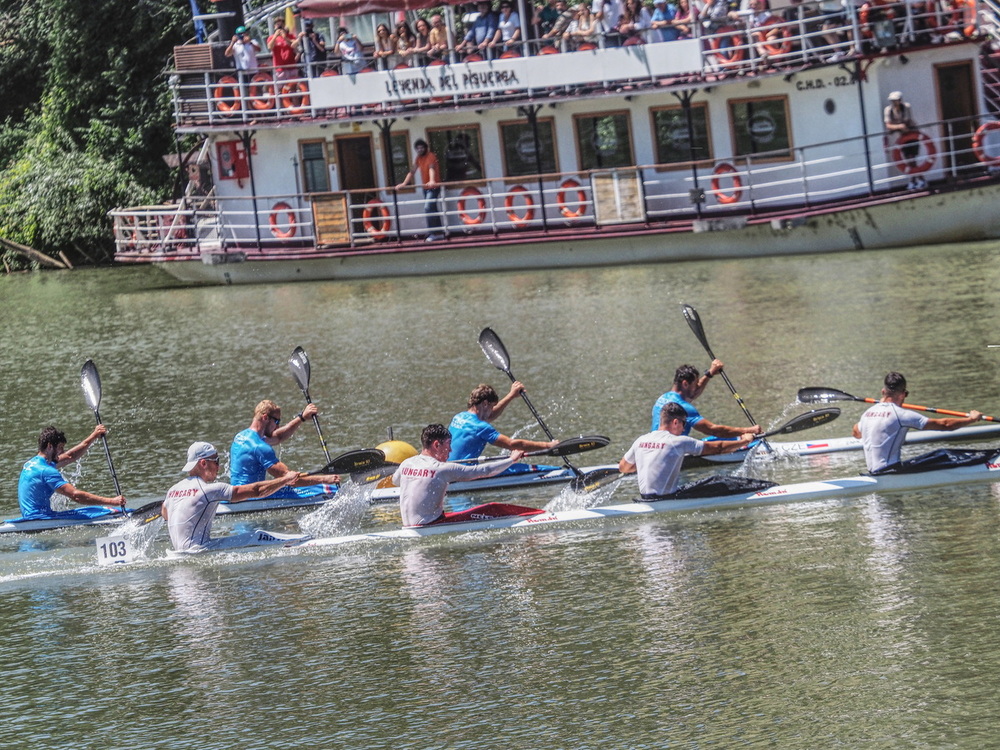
40, 478
471, 430
688, 385
252, 456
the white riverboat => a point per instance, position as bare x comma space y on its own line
754, 140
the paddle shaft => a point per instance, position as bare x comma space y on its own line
931, 409
107, 453
691, 315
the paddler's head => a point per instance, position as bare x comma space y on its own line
894, 387
202, 461
482, 400
436, 441
672, 418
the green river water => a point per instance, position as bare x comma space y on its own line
863, 622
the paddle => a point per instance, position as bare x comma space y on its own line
496, 353
694, 321
363, 460
565, 448
298, 363
90, 382
825, 395
600, 477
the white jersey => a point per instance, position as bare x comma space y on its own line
423, 482
190, 507
883, 429
658, 457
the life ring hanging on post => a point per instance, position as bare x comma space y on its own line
223, 103
277, 228
480, 215
262, 91
581, 199
295, 97
728, 55
977, 143
909, 137
722, 169
374, 208
529, 205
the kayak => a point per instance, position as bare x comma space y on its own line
22, 525
272, 503
255, 538
985, 471
838, 445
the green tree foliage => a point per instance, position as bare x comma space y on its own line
86, 116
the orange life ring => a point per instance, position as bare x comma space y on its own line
276, 228
376, 228
295, 97
223, 103
473, 57
728, 55
510, 55
781, 45
581, 199
548, 50
329, 72
467, 218
261, 96
529, 205
586, 47
908, 137
726, 198
977, 143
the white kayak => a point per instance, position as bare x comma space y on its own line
259, 504
255, 538
987, 471
23, 525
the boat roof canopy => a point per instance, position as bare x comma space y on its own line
328, 8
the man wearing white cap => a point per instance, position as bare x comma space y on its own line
899, 119
190, 504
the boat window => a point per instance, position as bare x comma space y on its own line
520, 149
459, 151
674, 142
315, 175
760, 126
398, 158
604, 140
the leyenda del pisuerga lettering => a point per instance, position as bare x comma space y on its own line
483, 80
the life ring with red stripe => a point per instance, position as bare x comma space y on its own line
295, 97
586, 47
548, 50
227, 104
277, 228
581, 199
376, 218
720, 171
977, 143
529, 205
510, 55
465, 216
728, 55
329, 72
909, 137
781, 44
262, 91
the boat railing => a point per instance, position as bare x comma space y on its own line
744, 188
207, 95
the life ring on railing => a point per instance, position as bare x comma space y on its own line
295, 97
473, 57
909, 137
977, 143
581, 199
510, 55
727, 55
375, 208
725, 168
262, 91
465, 216
780, 43
529, 205
276, 227
586, 47
548, 49
227, 104
329, 72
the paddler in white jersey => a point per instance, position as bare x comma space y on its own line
190, 504
882, 428
657, 456
423, 479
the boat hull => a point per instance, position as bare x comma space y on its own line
29, 525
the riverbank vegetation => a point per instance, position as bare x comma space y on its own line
85, 119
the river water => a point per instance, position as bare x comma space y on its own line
868, 621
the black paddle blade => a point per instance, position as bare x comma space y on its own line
694, 321
375, 474
494, 350
824, 396
595, 479
807, 421
298, 363
149, 512
576, 445
354, 461
90, 382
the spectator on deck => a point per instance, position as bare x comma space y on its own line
583, 29
562, 22
280, 44
544, 18
312, 48
384, 48
426, 164
662, 22
607, 14
243, 49
406, 42
422, 48
634, 22
508, 32
438, 38
481, 31
352, 54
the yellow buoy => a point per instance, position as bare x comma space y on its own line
395, 451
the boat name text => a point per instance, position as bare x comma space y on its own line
820, 83
447, 82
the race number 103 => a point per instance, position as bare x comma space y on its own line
113, 549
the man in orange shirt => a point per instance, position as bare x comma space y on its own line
430, 172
